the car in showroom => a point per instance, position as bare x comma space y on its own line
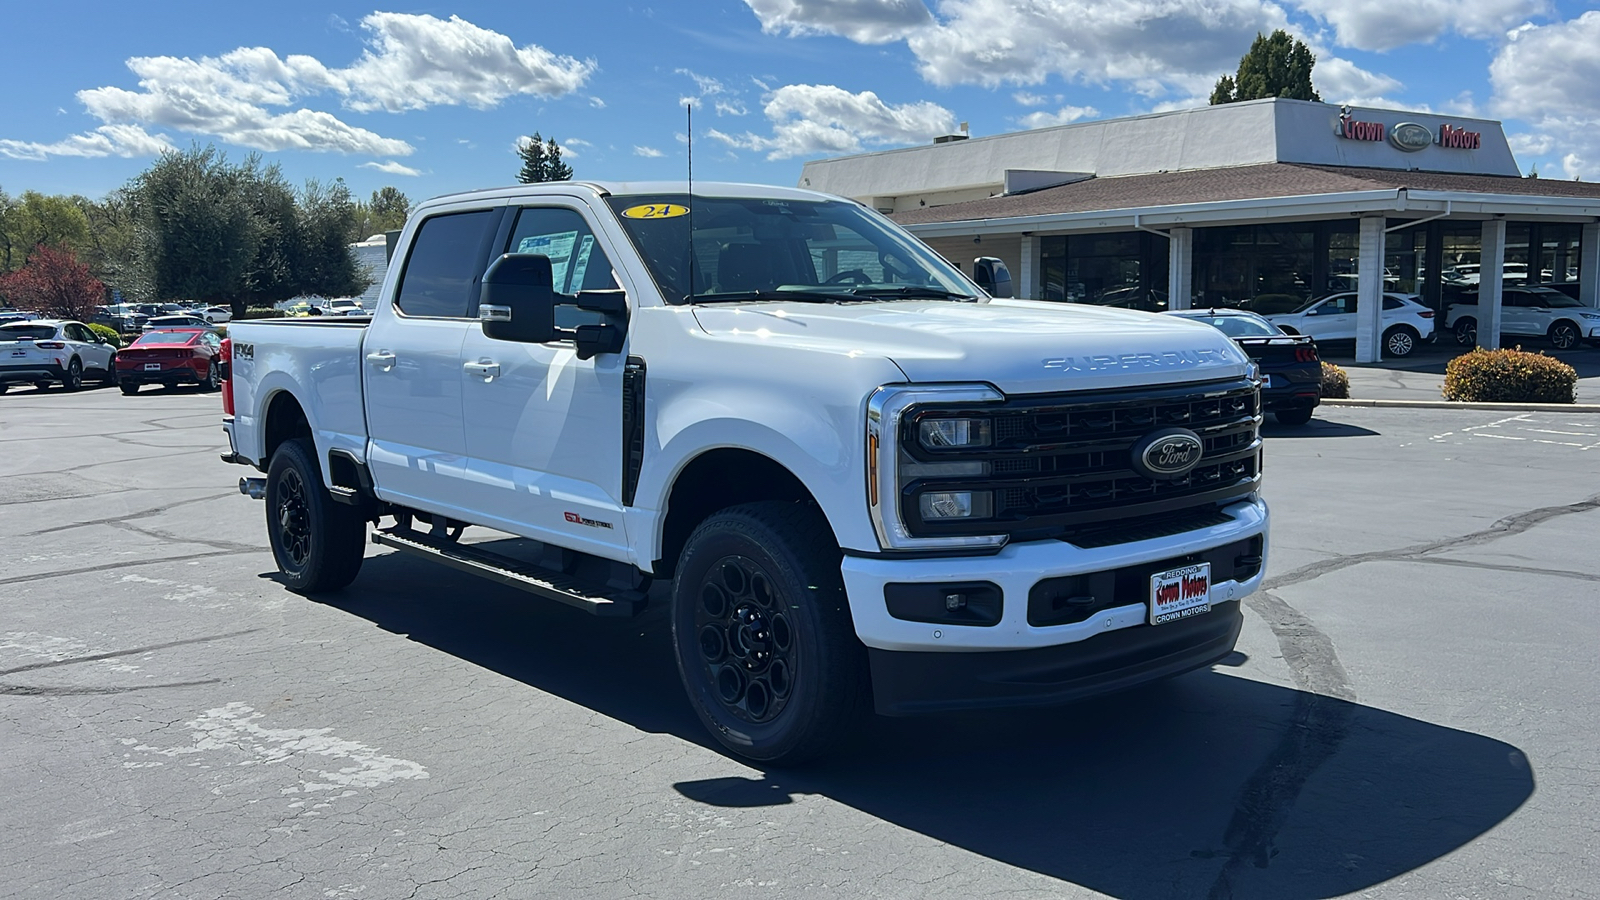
170, 357
164, 323
1406, 321
43, 352
1291, 368
1532, 312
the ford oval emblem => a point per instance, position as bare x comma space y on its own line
1168, 454
1411, 137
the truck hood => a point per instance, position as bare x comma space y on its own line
1019, 346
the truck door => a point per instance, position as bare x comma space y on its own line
412, 368
544, 428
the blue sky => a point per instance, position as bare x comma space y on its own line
432, 99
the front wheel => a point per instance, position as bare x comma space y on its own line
1564, 336
1400, 341
318, 543
1467, 332
762, 633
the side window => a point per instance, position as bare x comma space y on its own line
78, 332
445, 263
1392, 303
576, 261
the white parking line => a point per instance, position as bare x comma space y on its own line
1503, 437
1567, 433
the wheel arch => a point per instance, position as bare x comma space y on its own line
282, 419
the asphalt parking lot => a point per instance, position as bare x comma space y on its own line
1412, 711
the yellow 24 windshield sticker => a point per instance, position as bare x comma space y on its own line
656, 211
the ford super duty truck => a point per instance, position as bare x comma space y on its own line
867, 482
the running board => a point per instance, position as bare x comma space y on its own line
515, 573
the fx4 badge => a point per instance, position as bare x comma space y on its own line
576, 519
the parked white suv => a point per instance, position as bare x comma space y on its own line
1406, 321
1533, 311
54, 351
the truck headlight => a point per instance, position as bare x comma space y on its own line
891, 470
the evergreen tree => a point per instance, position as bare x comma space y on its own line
541, 160
1277, 65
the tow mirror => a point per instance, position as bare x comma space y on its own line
991, 274
605, 336
517, 301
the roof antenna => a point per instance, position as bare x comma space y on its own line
688, 109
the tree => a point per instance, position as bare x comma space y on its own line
55, 283
36, 219
386, 211
541, 160
1276, 66
324, 264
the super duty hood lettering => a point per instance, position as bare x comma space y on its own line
1128, 361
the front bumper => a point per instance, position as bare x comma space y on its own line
1017, 568
906, 683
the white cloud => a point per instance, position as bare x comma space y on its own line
107, 140
567, 145
1549, 77
862, 21
390, 167
647, 152
1062, 116
727, 101
821, 118
597, 103
1026, 98
1387, 24
1342, 81
254, 98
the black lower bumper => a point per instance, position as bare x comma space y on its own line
1297, 396
910, 683
32, 373
169, 377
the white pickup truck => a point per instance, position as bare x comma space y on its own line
869, 482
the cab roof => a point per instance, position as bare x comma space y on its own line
601, 189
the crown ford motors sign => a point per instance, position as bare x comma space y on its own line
1410, 137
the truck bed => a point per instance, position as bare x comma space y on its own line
317, 360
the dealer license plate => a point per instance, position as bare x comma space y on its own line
1180, 593
152, 367
19, 353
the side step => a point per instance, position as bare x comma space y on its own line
524, 576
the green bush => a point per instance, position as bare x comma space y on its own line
261, 312
1335, 382
107, 332
1510, 376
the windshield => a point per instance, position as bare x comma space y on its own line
165, 337
748, 248
25, 332
1240, 326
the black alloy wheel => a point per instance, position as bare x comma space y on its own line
1467, 332
318, 543
73, 380
1564, 335
762, 633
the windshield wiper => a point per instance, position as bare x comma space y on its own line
912, 291
747, 296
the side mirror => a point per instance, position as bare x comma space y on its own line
607, 335
517, 301
991, 274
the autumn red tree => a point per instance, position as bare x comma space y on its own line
53, 282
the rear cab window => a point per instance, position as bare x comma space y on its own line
445, 265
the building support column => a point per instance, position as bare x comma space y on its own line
1369, 290
1028, 287
1180, 268
1589, 265
1491, 282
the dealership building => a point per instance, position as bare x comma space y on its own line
1262, 205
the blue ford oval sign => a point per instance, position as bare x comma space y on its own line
1168, 454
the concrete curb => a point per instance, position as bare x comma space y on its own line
1452, 404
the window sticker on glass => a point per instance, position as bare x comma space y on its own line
656, 211
558, 247
580, 263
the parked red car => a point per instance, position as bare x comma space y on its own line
182, 356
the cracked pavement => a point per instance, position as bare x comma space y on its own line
1411, 713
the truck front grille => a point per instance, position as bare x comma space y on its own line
1058, 462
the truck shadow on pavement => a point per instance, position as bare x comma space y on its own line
1207, 785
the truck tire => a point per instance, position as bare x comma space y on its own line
762, 633
317, 543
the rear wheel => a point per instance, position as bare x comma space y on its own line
73, 379
1400, 341
129, 387
1293, 416
1564, 335
762, 633
318, 543
1467, 332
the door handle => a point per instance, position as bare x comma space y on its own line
488, 370
381, 359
